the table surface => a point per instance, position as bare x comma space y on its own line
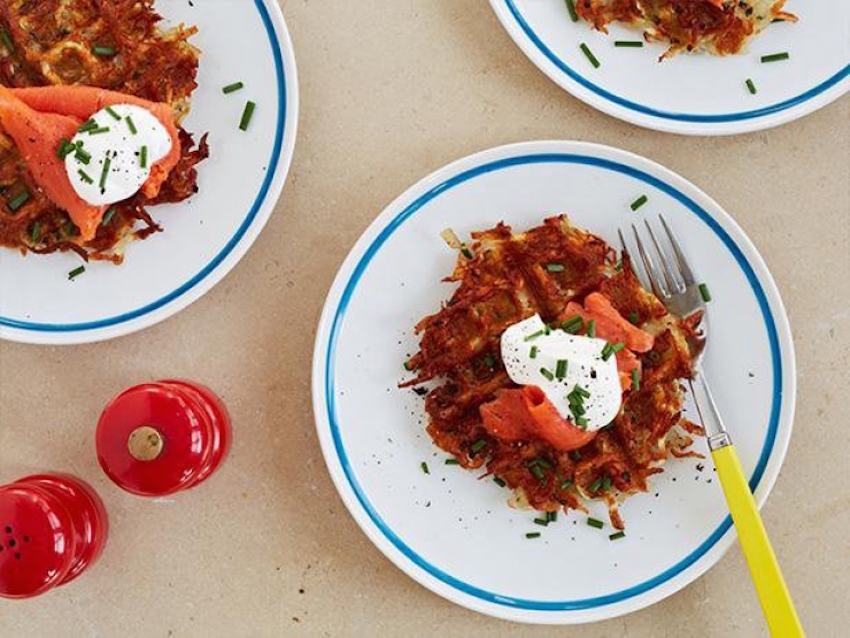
266, 547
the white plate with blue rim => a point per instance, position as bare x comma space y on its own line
455, 534
693, 94
205, 236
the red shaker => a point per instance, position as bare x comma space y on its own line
52, 528
160, 438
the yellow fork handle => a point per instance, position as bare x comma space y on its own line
773, 594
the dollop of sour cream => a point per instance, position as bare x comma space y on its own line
529, 347
115, 152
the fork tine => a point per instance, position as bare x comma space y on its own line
624, 250
669, 277
681, 262
649, 267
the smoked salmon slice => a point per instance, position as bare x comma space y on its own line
38, 119
523, 413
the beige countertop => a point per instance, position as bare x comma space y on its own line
266, 547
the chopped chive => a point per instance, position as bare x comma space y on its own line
617, 347
539, 333
107, 164
633, 317
581, 392
465, 252
542, 521
640, 201
571, 7
703, 292
594, 487
232, 88
143, 157
131, 125
628, 43
617, 536
88, 125
561, 368
247, 114
424, 467
541, 462
79, 270
533, 352
499, 481
606, 352
452, 462
589, 55
552, 516
489, 361
36, 227
6, 39
65, 149
99, 131
606, 483
581, 422
81, 156
104, 52
19, 200
85, 177
775, 57
555, 267
549, 376
573, 324
751, 86
593, 522
618, 266
591, 328
577, 410
567, 484
547, 329
108, 217
538, 473
533, 535
112, 112
635, 381
479, 445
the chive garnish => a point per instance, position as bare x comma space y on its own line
19, 200
489, 361
640, 201
452, 462
499, 481
79, 270
232, 88
555, 267
88, 125
775, 57
703, 292
424, 467
594, 487
633, 317
552, 516
533, 352
534, 335
99, 131
34, 232
573, 324
131, 125
561, 368
114, 115
65, 149
107, 217
617, 536
85, 177
537, 472
247, 114
567, 484
571, 7
533, 535
6, 38
581, 422
751, 86
549, 376
541, 462
606, 483
465, 252
591, 328
628, 43
593, 522
589, 55
581, 392
107, 164
618, 266
635, 380
479, 445
104, 52
542, 521
143, 157
81, 155
606, 352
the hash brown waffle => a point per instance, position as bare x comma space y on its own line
503, 279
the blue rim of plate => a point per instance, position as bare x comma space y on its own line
386, 233
228, 248
668, 115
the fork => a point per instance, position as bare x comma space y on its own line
673, 282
